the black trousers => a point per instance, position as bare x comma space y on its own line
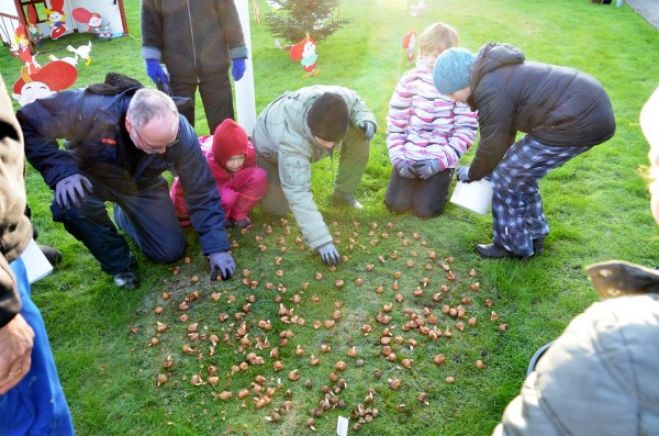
146, 215
215, 94
424, 198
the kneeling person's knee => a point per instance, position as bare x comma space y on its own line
167, 252
426, 212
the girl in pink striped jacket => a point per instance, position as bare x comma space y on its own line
427, 132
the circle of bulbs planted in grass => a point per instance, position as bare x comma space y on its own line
417, 299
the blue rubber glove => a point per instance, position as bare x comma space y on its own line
238, 68
329, 254
70, 191
463, 175
155, 71
427, 168
222, 263
404, 169
368, 128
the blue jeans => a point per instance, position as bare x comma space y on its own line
36, 405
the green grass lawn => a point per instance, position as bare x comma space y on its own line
597, 207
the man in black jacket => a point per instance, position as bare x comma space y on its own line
564, 112
197, 40
118, 144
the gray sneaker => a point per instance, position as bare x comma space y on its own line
346, 200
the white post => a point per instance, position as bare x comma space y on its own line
245, 100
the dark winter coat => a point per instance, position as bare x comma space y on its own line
15, 228
99, 145
194, 38
557, 106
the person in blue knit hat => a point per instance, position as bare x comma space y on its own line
563, 113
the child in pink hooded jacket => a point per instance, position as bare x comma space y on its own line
232, 161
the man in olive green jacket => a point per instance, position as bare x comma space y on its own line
300, 128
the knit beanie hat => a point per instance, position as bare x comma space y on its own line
451, 71
229, 140
328, 117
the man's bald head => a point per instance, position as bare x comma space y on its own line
148, 104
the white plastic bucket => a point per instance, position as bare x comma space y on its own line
475, 196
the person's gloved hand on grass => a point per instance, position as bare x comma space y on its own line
329, 254
222, 263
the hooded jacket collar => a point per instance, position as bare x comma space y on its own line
228, 150
492, 56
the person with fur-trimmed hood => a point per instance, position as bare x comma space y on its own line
300, 128
564, 112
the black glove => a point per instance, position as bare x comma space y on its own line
330, 254
368, 128
463, 175
223, 264
427, 168
71, 190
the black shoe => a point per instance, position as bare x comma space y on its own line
538, 246
127, 279
53, 255
346, 200
495, 251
